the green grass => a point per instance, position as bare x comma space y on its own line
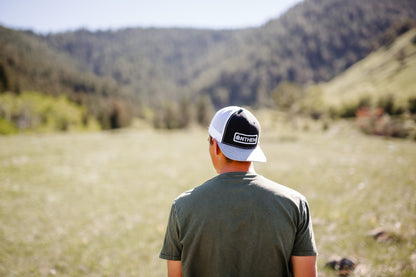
97, 204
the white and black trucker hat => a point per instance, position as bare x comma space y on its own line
237, 133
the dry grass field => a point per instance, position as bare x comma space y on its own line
96, 204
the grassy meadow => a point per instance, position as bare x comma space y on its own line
96, 204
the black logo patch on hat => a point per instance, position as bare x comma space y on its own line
245, 139
241, 130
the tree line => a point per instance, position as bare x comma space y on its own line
119, 74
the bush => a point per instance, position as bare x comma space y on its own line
38, 112
377, 122
347, 110
412, 105
387, 103
6, 127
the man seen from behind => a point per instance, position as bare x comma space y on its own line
239, 223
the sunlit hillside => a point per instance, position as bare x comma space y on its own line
391, 70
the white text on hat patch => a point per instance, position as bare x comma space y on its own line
245, 139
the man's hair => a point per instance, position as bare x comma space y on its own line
211, 140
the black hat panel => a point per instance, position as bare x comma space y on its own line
241, 130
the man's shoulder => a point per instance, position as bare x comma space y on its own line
196, 192
256, 184
280, 190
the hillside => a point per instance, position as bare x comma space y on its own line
123, 73
314, 41
388, 72
153, 63
28, 63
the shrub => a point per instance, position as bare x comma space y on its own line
347, 110
6, 127
38, 112
388, 104
412, 105
377, 122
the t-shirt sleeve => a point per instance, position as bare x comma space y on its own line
172, 247
304, 242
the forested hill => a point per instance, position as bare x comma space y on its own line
314, 41
154, 63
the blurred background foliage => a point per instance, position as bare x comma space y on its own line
38, 112
170, 77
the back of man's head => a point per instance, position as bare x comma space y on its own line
237, 132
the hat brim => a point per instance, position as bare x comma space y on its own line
243, 155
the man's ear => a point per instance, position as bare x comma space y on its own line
217, 148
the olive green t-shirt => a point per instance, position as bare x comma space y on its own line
238, 224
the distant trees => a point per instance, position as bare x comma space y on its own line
288, 96
116, 74
396, 29
4, 80
173, 115
298, 100
204, 110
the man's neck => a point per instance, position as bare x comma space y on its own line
236, 166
